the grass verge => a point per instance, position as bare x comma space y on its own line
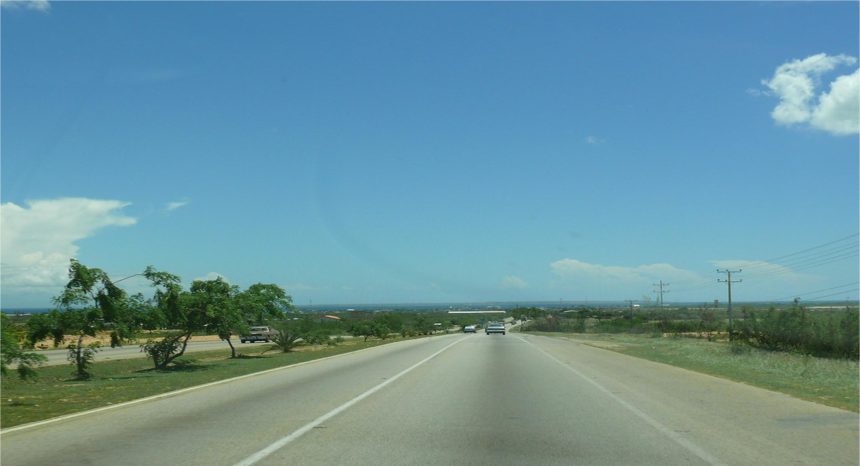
832, 382
54, 392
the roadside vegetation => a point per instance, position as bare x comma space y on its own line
91, 304
822, 333
805, 353
832, 382
54, 392
92, 308
811, 355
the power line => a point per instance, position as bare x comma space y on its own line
832, 249
855, 235
784, 270
803, 295
815, 298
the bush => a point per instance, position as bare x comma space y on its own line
824, 334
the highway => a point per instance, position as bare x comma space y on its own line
455, 399
131, 351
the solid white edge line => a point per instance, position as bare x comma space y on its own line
277, 445
177, 392
687, 444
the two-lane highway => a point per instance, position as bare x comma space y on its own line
475, 399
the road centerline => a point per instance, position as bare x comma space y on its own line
284, 441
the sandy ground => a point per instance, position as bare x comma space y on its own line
104, 339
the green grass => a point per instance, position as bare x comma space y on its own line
832, 382
55, 393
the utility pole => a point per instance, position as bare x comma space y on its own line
661, 291
729, 281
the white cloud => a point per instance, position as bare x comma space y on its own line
594, 140
171, 206
838, 111
512, 282
294, 287
38, 5
760, 271
614, 281
38, 240
212, 276
796, 85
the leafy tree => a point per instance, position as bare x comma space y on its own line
41, 326
12, 353
423, 326
146, 315
90, 302
262, 303
214, 299
176, 310
379, 330
391, 320
361, 329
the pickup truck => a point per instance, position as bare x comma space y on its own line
258, 334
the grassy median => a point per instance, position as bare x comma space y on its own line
832, 382
54, 392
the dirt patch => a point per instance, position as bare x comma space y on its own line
104, 339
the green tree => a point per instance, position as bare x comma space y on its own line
423, 326
379, 330
262, 303
361, 328
176, 310
216, 301
91, 302
12, 353
392, 320
41, 326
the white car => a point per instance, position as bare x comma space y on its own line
470, 329
495, 327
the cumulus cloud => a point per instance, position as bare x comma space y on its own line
760, 270
613, 280
512, 282
797, 85
38, 5
838, 111
38, 240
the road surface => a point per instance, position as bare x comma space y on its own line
131, 351
456, 399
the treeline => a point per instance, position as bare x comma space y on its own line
832, 334
92, 304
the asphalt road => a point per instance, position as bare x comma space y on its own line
131, 351
457, 399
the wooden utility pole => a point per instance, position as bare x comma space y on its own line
729, 281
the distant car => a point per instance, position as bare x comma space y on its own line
258, 334
495, 327
470, 329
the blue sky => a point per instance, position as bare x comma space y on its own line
434, 152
